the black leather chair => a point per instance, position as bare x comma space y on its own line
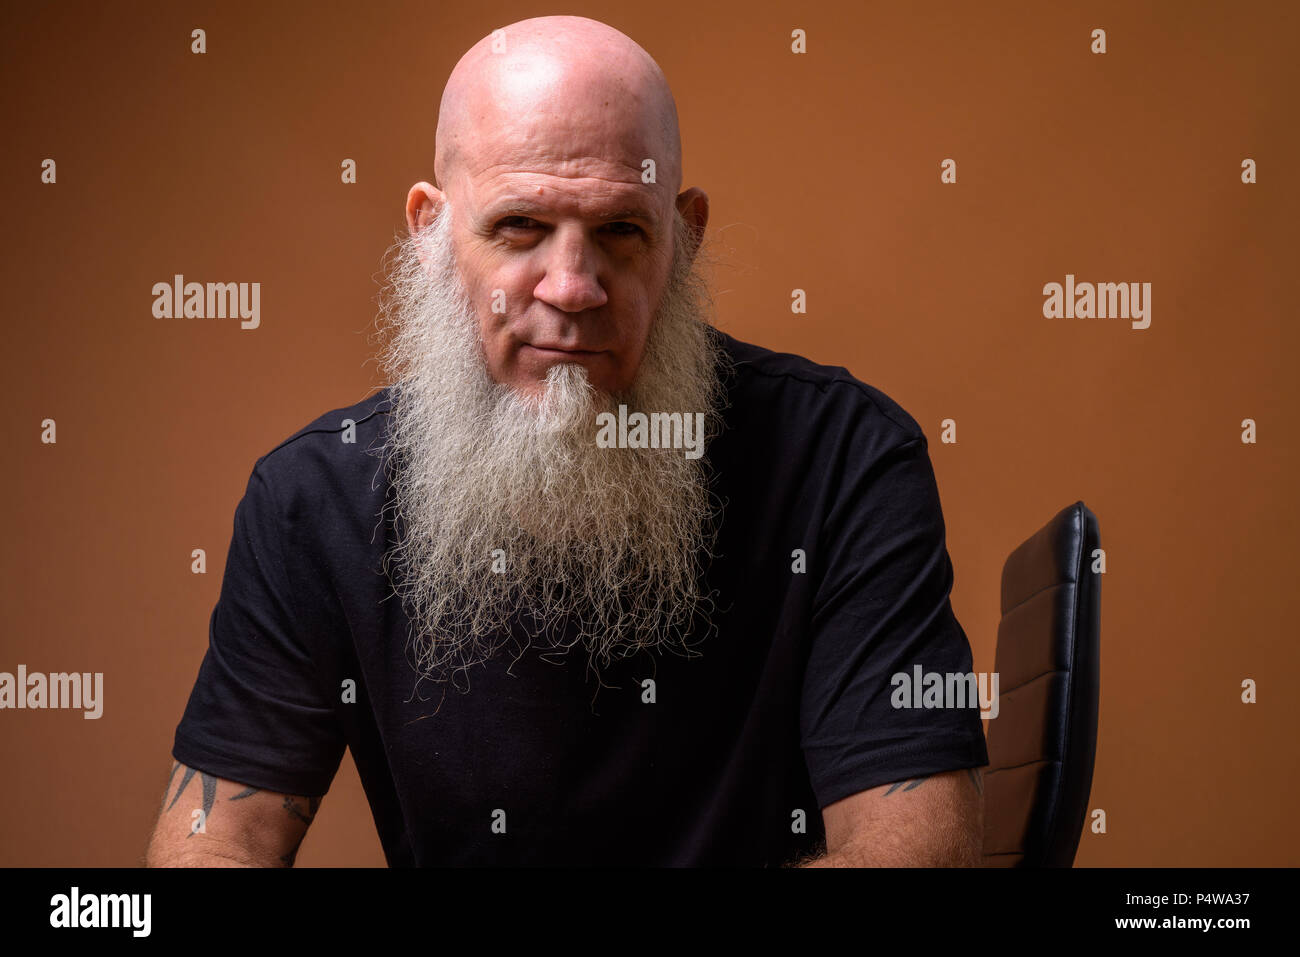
1044, 739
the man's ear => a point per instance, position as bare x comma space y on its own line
693, 204
423, 204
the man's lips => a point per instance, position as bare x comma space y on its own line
558, 352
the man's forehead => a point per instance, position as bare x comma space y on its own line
604, 140
546, 181
572, 198
555, 175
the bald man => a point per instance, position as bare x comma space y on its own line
591, 582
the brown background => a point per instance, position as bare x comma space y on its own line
823, 172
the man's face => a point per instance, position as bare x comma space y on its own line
563, 248
565, 261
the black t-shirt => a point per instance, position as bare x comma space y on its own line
786, 708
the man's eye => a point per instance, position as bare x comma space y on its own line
623, 228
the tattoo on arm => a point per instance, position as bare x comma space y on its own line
912, 784
170, 778
208, 782
976, 776
209, 785
295, 810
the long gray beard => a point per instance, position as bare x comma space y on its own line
518, 527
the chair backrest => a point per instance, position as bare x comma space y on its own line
1043, 741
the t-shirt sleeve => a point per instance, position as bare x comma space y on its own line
881, 609
257, 714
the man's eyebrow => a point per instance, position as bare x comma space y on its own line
526, 207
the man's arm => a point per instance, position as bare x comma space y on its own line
207, 821
933, 821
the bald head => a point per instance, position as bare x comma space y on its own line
568, 92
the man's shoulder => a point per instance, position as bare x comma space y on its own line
333, 439
791, 378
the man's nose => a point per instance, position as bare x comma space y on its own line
570, 283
